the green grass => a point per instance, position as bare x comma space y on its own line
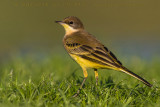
51, 81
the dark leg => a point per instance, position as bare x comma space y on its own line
80, 88
85, 75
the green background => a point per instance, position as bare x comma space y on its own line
127, 27
35, 70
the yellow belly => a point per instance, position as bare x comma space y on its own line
86, 63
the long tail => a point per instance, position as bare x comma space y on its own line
125, 70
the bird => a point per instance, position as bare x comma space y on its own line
89, 52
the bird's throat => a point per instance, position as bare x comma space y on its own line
69, 30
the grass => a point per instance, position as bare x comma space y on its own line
51, 81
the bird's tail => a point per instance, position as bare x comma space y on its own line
125, 70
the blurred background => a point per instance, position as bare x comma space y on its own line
126, 27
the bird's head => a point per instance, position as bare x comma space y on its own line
71, 24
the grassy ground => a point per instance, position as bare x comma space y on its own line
51, 81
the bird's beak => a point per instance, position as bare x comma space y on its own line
60, 22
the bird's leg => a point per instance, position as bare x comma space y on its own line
85, 75
96, 76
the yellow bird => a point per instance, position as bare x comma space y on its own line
88, 52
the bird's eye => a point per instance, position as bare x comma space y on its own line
71, 22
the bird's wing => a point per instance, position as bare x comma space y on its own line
92, 50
